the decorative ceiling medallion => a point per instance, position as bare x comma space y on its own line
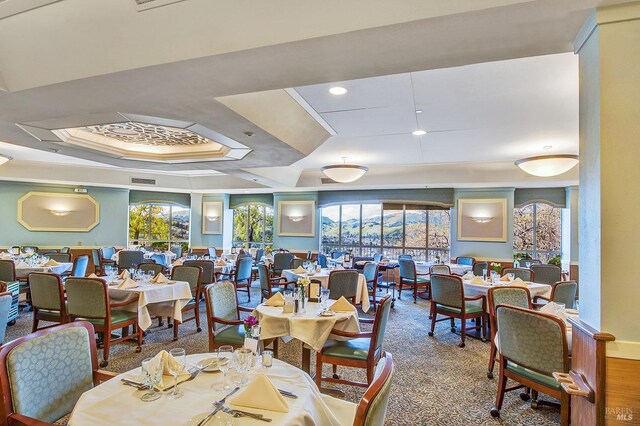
148, 134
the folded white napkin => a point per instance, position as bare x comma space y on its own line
127, 283
51, 262
165, 358
342, 305
124, 274
505, 278
275, 300
477, 281
262, 395
468, 275
221, 262
551, 309
178, 262
518, 283
92, 276
22, 265
159, 279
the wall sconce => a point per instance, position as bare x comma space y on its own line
60, 212
296, 218
213, 218
481, 219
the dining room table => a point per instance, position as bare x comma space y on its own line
424, 267
113, 402
362, 292
23, 269
472, 290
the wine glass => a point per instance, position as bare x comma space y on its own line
512, 276
324, 296
225, 356
152, 373
176, 368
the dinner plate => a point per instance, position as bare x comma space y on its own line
210, 369
572, 311
327, 313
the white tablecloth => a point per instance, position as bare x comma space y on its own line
168, 256
113, 403
308, 327
166, 300
362, 294
24, 271
423, 268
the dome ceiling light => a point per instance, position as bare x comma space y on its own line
548, 165
344, 173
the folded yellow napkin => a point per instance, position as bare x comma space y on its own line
159, 279
300, 270
518, 283
92, 276
505, 278
275, 300
262, 395
178, 262
127, 283
221, 262
51, 262
167, 379
478, 281
343, 305
124, 274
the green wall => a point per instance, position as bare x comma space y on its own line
200, 240
296, 243
111, 231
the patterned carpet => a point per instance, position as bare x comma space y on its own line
435, 383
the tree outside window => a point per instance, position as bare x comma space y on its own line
253, 226
537, 231
159, 225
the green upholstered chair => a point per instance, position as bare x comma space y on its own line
223, 315
447, 299
371, 272
410, 278
533, 345
6, 299
523, 273
547, 274
440, 269
154, 268
362, 350
42, 375
88, 300
128, 259
478, 267
465, 260
281, 261
270, 284
343, 283
7, 271
47, 299
61, 257
372, 408
561, 292
296, 262
192, 275
503, 295
208, 270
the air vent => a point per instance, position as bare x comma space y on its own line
152, 4
328, 181
141, 181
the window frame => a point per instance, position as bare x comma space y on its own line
253, 244
534, 252
149, 240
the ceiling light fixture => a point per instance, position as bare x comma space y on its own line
344, 173
418, 132
4, 159
481, 219
338, 91
548, 165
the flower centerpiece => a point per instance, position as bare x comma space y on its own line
497, 267
249, 322
303, 283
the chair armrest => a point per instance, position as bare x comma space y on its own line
102, 375
351, 335
18, 419
245, 309
286, 283
366, 320
227, 322
537, 306
536, 298
474, 298
422, 274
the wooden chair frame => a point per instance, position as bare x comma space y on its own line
197, 295
64, 318
505, 270
212, 320
372, 391
273, 282
462, 316
374, 285
415, 285
369, 364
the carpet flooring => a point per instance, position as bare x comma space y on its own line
435, 382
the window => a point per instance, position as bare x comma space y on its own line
159, 225
537, 231
391, 229
253, 226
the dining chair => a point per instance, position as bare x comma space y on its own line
88, 300
439, 269
309, 255
106, 253
322, 260
47, 252
97, 262
6, 300
501, 295
547, 274
177, 250
61, 257
377, 257
372, 407
343, 283
295, 263
80, 265
128, 259
361, 350
336, 254
223, 315
159, 258
561, 292
47, 299
241, 275
281, 261
65, 250
259, 256
405, 256
448, 299
465, 260
7, 271
192, 275
270, 284
523, 273
409, 277
373, 276
208, 270
479, 267
533, 345
33, 248
152, 267
534, 261
67, 363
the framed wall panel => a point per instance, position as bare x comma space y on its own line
212, 214
49, 211
296, 218
482, 219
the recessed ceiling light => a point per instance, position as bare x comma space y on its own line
418, 111
418, 133
338, 91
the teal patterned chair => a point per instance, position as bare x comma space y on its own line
533, 345
523, 273
106, 253
61, 257
478, 267
465, 260
208, 270
88, 300
547, 274
270, 284
343, 283
6, 299
7, 271
410, 278
281, 261
371, 272
47, 299
362, 350
372, 408
35, 392
296, 262
128, 259
448, 299
440, 269
561, 292
223, 315
503, 295
154, 268
192, 275
211, 251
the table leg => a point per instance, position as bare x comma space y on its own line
306, 361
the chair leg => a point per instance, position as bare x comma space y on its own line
492, 359
249, 292
453, 325
35, 324
534, 399
335, 371
198, 328
140, 335
107, 345
502, 386
369, 374
175, 329
433, 318
484, 328
318, 370
415, 293
463, 331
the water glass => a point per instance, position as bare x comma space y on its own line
176, 368
152, 373
324, 296
267, 359
559, 307
484, 274
243, 363
225, 356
